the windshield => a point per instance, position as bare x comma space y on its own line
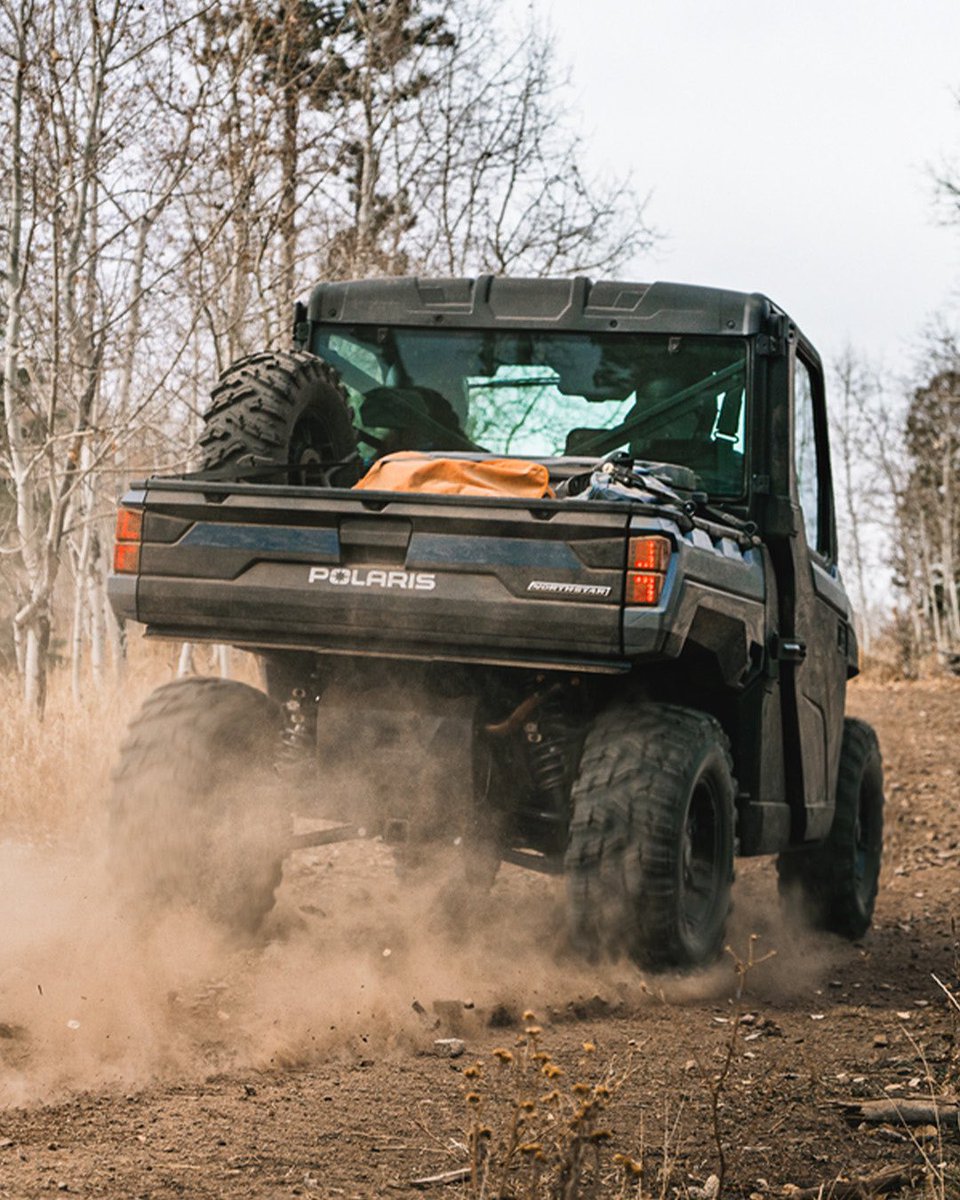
676, 399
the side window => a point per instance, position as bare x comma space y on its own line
805, 453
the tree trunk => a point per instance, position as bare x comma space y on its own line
36, 655
76, 633
95, 607
288, 161
185, 661
116, 632
223, 657
931, 601
951, 602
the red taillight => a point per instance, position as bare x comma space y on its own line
649, 554
129, 524
126, 552
644, 587
647, 562
126, 558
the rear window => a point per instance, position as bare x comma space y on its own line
541, 395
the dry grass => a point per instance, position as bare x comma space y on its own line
537, 1130
54, 774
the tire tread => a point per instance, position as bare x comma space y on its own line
171, 793
634, 771
255, 403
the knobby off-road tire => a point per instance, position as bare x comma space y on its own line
286, 410
833, 885
197, 816
650, 859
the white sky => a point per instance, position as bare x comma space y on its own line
787, 148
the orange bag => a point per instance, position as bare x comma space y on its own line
409, 471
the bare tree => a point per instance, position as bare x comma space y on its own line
177, 172
507, 190
80, 197
931, 496
866, 504
462, 157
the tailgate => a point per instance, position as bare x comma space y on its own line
500, 580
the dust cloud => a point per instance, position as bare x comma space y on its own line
92, 996
350, 964
354, 961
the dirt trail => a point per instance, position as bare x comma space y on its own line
181, 1065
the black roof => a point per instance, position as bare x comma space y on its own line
493, 302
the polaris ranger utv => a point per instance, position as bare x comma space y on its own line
545, 567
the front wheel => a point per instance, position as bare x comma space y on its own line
834, 884
650, 857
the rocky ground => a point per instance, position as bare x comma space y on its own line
308, 1066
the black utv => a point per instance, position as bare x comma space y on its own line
545, 567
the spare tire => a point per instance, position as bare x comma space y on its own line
280, 417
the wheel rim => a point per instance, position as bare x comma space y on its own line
701, 869
310, 446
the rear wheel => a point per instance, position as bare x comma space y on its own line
197, 817
650, 858
484, 821
286, 410
833, 885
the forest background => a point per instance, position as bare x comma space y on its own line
177, 173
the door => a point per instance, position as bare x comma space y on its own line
821, 613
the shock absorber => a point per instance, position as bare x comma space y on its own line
295, 753
545, 731
551, 739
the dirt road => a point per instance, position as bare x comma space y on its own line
307, 1066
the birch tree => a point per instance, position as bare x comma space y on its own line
79, 199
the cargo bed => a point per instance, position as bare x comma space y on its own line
449, 577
